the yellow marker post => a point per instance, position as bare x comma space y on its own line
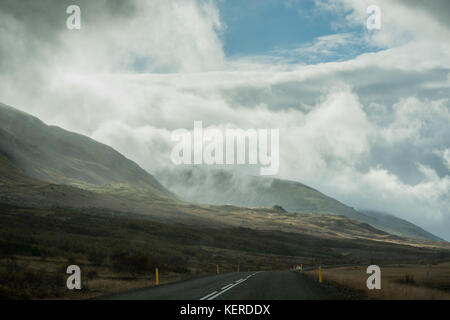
301, 268
320, 274
217, 267
157, 276
238, 269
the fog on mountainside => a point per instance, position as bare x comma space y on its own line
224, 187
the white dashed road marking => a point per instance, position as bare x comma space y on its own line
215, 294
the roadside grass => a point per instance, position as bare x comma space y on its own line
24, 277
118, 252
398, 282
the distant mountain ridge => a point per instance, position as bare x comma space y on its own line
221, 187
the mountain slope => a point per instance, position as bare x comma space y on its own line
397, 226
220, 187
10, 173
19, 190
54, 155
46, 166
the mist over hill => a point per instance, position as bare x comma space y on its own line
222, 187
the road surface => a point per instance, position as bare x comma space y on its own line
267, 285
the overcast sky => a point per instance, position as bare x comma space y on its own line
363, 114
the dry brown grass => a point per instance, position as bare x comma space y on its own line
399, 282
118, 252
107, 285
102, 281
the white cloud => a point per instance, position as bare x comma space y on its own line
445, 156
163, 36
337, 46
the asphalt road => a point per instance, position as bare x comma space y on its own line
267, 285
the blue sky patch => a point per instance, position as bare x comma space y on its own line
274, 27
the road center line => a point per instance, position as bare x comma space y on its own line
215, 294
207, 296
226, 286
223, 291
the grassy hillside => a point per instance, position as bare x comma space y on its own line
11, 174
58, 156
